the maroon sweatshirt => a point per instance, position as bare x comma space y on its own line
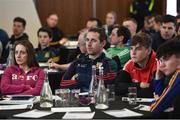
16, 81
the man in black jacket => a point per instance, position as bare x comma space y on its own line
19, 25
52, 22
167, 31
3, 45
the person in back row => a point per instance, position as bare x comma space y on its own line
80, 71
92, 23
111, 19
57, 33
24, 77
131, 24
81, 46
119, 37
167, 78
44, 52
4, 38
19, 25
167, 31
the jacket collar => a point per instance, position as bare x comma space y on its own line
151, 59
100, 58
20, 71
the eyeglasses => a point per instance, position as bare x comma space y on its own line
163, 59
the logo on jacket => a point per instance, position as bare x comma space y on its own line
23, 77
98, 64
82, 65
47, 55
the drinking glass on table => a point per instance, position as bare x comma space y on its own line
132, 95
74, 97
62, 98
111, 92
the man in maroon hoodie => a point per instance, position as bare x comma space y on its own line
24, 77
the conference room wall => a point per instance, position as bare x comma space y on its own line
74, 13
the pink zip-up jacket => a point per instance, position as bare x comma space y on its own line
16, 81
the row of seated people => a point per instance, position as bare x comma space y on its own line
118, 38
156, 26
25, 77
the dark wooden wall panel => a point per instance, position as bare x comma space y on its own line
74, 13
121, 7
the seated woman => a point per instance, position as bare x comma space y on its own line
24, 77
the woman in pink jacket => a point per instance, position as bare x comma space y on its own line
24, 77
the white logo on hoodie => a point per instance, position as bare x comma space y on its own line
22, 77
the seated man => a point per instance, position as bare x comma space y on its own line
131, 24
79, 73
167, 31
119, 37
139, 70
143, 60
167, 78
44, 51
3, 46
92, 23
83, 52
57, 34
19, 25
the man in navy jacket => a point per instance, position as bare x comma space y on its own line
167, 78
79, 73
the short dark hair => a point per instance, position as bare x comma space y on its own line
158, 18
31, 61
114, 14
45, 29
124, 32
130, 19
169, 48
169, 18
52, 14
102, 35
177, 27
178, 16
21, 20
99, 23
143, 39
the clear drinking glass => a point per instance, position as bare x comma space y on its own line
64, 98
132, 95
57, 98
74, 97
111, 92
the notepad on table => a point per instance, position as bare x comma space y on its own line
71, 109
34, 114
122, 113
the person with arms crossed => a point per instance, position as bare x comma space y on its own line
24, 77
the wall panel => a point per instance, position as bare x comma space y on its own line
74, 13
